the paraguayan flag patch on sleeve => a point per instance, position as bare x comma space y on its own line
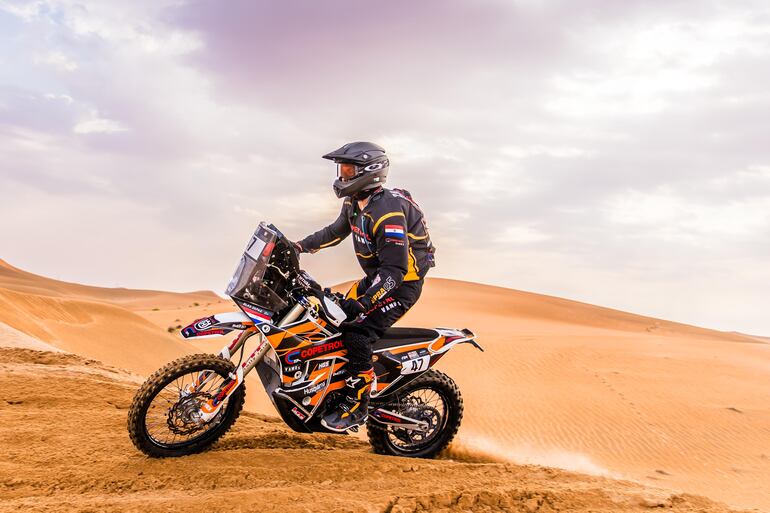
394, 230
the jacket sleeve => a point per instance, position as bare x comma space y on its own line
393, 253
330, 235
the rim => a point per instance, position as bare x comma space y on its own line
170, 417
426, 404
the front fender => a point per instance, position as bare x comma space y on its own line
217, 325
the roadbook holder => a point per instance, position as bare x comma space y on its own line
255, 280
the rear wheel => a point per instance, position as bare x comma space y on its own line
432, 398
163, 420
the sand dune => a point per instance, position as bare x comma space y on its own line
64, 448
562, 383
96, 330
125, 328
21, 281
600, 391
10, 337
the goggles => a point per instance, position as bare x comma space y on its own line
347, 171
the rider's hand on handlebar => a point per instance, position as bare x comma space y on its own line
299, 249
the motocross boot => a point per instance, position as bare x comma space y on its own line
353, 409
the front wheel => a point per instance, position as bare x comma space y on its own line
433, 398
164, 421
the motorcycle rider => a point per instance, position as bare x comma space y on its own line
391, 242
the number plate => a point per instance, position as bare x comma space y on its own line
415, 365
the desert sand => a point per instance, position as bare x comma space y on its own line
65, 449
644, 412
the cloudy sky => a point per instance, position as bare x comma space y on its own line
612, 152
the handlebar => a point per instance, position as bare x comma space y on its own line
312, 288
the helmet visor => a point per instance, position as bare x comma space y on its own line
346, 171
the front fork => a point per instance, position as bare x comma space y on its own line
210, 408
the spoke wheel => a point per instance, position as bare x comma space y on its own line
164, 418
434, 399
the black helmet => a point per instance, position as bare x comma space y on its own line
361, 166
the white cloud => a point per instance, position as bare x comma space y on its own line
616, 148
58, 61
406, 148
25, 10
95, 124
642, 70
667, 215
520, 235
60, 97
755, 175
559, 152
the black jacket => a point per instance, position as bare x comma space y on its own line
390, 238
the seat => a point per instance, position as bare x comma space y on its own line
394, 337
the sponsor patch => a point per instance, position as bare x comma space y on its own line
378, 304
387, 416
190, 333
205, 327
390, 306
377, 295
312, 390
257, 314
295, 356
204, 324
389, 285
358, 231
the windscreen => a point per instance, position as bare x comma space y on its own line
248, 282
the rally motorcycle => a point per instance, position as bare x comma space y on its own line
300, 358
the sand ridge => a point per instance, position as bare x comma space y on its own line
18, 280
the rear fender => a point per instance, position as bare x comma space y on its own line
451, 337
412, 360
217, 325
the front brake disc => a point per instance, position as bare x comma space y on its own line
181, 416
